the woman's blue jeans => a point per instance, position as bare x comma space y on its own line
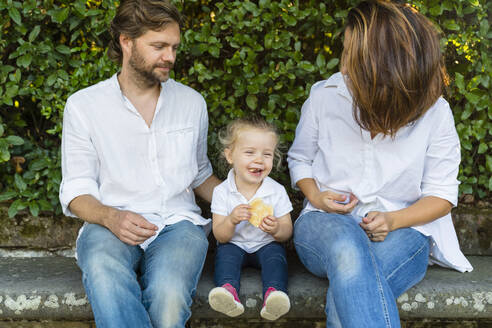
365, 277
130, 288
271, 259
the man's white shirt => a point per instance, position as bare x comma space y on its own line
385, 174
226, 197
109, 152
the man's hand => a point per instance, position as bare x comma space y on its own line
130, 228
240, 213
270, 225
328, 202
377, 225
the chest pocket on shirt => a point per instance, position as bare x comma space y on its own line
176, 153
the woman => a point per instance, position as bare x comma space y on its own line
376, 155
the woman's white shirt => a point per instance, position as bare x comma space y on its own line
246, 236
385, 174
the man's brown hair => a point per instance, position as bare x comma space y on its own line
394, 65
135, 17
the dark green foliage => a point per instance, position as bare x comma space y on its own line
245, 57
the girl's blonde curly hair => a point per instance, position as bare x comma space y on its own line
230, 134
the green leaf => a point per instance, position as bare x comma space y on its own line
39, 164
2, 130
451, 25
7, 195
320, 61
307, 66
289, 20
34, 33
472, 98
15, 207
4, 155
51, 79
482, 148
25, 60
332, 63
45, 205
59, 15
252, 101
15, 140
63, 49
460, 81
19, 182
489, 162
34, 208
436, 10
15, 15
12, 91
490, 184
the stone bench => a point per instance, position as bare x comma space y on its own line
50, 288
47, 291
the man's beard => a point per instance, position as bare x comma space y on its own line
146, 74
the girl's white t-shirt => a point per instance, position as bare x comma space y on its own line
246, 236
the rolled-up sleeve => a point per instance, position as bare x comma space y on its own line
305, 146
80, 165
204, 165
442, 161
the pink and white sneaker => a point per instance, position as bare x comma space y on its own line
225, 300
276, 303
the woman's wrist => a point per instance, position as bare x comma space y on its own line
392, 220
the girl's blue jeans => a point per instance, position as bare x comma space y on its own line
271, 259
130, 288
365, 277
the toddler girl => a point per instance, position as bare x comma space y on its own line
250, 147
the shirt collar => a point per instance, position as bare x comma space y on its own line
267, 187
338, 80
164, 86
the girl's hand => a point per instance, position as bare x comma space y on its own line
270, 225
377, 225
240, 213
327, 201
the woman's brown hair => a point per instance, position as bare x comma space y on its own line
394, 65
135, 17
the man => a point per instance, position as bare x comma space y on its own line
134, 148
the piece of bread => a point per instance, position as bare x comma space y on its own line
259, 210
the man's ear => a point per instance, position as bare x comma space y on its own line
228, 155
126, 44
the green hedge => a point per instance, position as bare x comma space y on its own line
243, 56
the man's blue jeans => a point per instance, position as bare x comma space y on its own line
365, 277
271, 259
130, 288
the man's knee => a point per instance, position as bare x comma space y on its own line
101, 256
168, 301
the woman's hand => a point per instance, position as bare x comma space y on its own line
377, 225
329, 201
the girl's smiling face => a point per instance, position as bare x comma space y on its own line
251, 156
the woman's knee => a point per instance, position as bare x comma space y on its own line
334, 242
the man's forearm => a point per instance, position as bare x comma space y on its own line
206, 189
91, 210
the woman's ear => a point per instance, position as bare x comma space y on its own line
228, 155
